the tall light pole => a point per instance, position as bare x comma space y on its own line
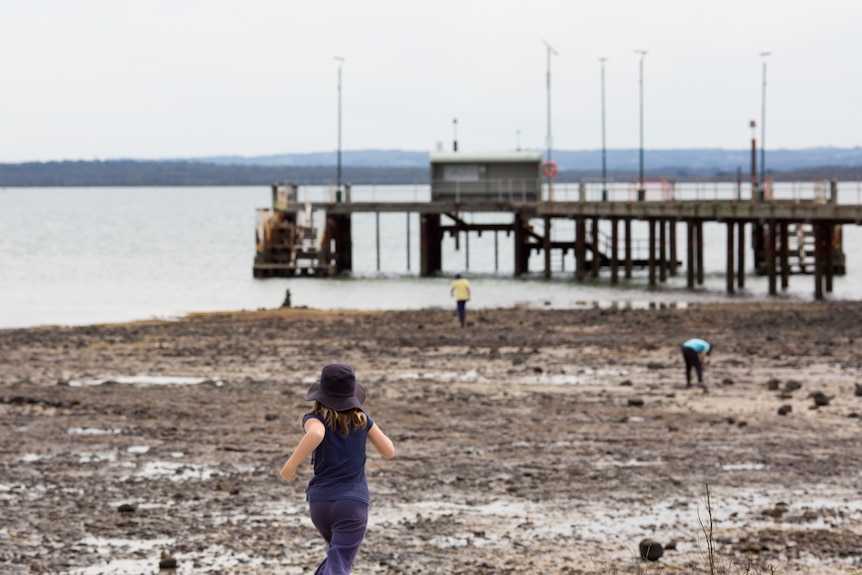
454, 134
550, 51
604, 153
641, 190
340, 61
763, 55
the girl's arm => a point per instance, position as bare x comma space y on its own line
314, 432
381, 442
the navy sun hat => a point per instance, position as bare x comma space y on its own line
337, 388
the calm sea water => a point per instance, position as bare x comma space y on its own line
76, 256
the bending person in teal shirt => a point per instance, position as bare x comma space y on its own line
695, 351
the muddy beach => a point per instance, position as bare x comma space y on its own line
529, 442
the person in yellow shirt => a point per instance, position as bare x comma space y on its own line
461, 292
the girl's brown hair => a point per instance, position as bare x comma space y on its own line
343, 421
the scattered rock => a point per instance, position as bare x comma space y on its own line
636, 402
792, 385
785, 409
858, 391
650, 549
820, 398
777, 511
167, 561
127, 508
772, 384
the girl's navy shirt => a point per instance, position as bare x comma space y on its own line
339, 465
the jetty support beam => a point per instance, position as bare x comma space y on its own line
651, 249
430, 249
546, 247
740, 275
784, 255
628, 234
580, 248
614, 245
522, 249
770, 257
699, 246
690, 261
341, 233
730, 238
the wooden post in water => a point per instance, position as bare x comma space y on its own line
770, 257
784, 256
651, 247
699, 235
597, 260
522, 255
740, 275
829, 243
672, 240
430, 251
662, 251
628, 234
546, 247
467, 250
580, 248
614, 245
691, 263
818, 260
343, 245
377, 237
730, 238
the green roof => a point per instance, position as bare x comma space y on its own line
484, 158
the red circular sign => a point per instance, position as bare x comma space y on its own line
549, 168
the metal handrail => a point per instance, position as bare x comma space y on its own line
499, 189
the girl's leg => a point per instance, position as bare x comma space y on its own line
342, 524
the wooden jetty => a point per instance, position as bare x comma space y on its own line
787, 237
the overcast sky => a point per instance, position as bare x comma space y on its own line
105, 79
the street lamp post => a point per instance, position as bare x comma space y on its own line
641, 190
604, 149
340, 61
454, 134
550, 51
763, 126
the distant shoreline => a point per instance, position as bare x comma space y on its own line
129, 173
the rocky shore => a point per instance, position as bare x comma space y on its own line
531, 441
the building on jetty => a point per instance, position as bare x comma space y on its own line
797, 234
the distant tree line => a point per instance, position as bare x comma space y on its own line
190, 173
174, 173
